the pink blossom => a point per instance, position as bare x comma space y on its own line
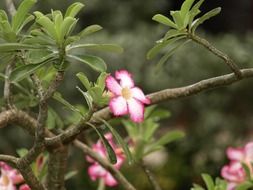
24, 187
234, 172
9, 177
126, 97
96, 171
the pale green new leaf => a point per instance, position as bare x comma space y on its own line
177, 19
84, 80
186, 7
164, 20
66, 26
101, 80
25, 22
87, 97
194, 12
208, 181
73, 9
205, 17
94, 62
21, 13
47, 25
120, 141
169, 137
100, 47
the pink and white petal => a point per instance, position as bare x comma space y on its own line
231, 186
235, 153
113, 85
136, 110
125, 78
109, 180
118, 106
139, 95
96, 171
24, 187
249, 151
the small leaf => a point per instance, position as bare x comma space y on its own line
50, 123
70, 174
101, 80
173, 33
85, 81
66, 26
21, 13
194, 12
8, 47
87, 97
73, 9
177, 19
89, 30
164, 20
205, 17
94, 62
47, 25
100, 47
22, 152
186, 7
208, 181
120, 141
109, 149
169, 137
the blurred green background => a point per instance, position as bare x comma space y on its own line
212, 120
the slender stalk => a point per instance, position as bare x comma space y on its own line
229, 62
101, 185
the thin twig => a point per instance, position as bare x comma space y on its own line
230, 63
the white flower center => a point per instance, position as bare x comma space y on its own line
126, 93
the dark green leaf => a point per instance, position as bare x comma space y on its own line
94, 62
164, 20
109, 149
120, 141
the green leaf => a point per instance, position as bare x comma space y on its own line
173, 33
70, 175
160, 45
177, 19
3, 15
22, 152
25, 22
101, 80
208, 181
96, 93
164, 20
8, 33
89, 30
100, 47
194, 12
109, 149
169, 137
21, 13
84, 80
244, 186
22, 72
73, 9
120, 141
94, 62
50, 123
169, 54
57, 96
8, 47
186, 7
205, 17
47, 25
247, 170
66, 26
87, 97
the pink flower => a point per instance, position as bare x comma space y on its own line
9, 177
96, 171
234, 172
126, 97
24, 187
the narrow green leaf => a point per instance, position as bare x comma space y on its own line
205, 17
169, 137
47, 25
57, 96
70, 174
173, 33
8, 34
89, 30
85, 81
177, 19
8, 47
186, 7
24, 71
208, 181
100, 47
66, 26
87, 97
94, 62
164, 20
101, 80
21, 13
73, 9
96, 94
194, 12
244, 186
110, 152
25, 22
50, 123
247, 170
120, 141
160, 45
169, 54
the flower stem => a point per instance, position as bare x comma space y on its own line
101, 185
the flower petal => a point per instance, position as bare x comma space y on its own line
113, 85
235, 153
136, 110
96, 171
139, 95
249, 151
118, 106
109, 180
24, 187
125, 78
